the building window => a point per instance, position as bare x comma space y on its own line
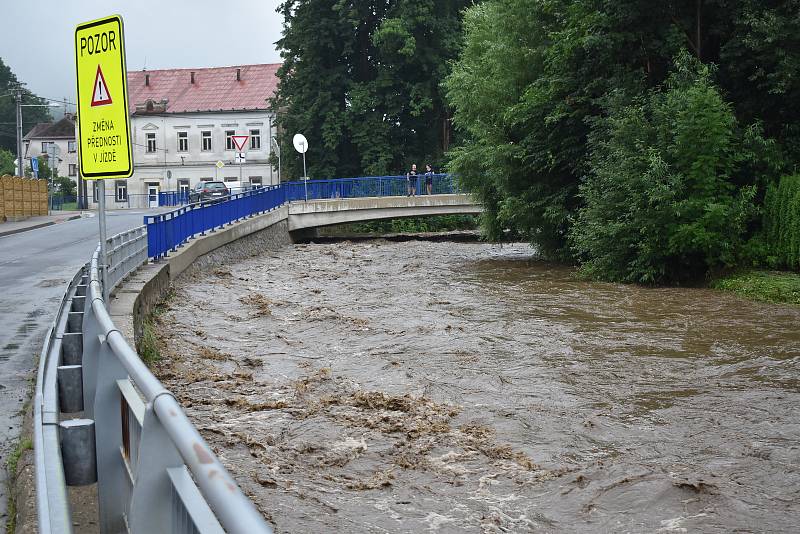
95, 197
229, 144
255, 139
231, 178
73, 169
206, 179
72, 146
255, 180
183, 141
206, 138
151, 142
183, 186
121, 188
45, 146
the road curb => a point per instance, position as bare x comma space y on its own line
36, 226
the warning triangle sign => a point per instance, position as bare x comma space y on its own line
100, 96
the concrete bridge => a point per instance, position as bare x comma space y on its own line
317, 213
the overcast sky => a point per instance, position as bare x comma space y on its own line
37, 39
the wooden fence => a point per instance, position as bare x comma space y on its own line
21, 198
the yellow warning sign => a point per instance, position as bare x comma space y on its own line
103, 122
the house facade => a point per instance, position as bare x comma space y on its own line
57, 137
183, 123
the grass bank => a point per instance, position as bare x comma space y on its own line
779, 287
149, 346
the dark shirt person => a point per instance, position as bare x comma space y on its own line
411, 180
429, 178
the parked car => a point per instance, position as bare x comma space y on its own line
208, 191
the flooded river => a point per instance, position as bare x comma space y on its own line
465, 387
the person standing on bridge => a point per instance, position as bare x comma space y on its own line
429, 177
411, 180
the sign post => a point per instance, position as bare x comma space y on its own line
301, 145
103, 124
239, 141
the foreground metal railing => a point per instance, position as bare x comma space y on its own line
52, 503
126, 252
154, 472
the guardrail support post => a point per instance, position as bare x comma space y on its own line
70, 389
112, 475
89, 360
153, 487
77, 451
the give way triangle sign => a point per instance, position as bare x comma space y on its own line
239, 141
100, 96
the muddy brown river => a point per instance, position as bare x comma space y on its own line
466, 387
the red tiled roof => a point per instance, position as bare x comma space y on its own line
213, 89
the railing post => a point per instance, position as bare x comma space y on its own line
112, 475
150, 511
91, 354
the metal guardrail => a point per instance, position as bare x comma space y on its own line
167, 231
52, 503
126, 252
370, 186
154, 471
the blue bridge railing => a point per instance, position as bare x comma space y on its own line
173, 198
167, 231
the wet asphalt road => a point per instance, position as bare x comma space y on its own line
35, 267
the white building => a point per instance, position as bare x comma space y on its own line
61, 135
182, 124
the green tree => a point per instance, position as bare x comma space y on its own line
6, 162
535, 76
362, 81
31, 116
660, 204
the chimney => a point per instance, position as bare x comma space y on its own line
192, 78
238, 75
147, 79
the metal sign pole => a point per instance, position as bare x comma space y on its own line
305, 176
103, 259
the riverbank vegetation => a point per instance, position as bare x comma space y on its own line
638, 140
647, 142
767, 286
439, 223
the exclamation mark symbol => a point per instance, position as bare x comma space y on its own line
100, 96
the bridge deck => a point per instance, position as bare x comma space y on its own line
316, 213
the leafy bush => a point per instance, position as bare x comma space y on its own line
439, 223
660, 205
782, 222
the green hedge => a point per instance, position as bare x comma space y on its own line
782, 221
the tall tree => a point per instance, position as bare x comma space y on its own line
535, 77
362, 81
31, 116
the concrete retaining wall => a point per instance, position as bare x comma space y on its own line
135, 299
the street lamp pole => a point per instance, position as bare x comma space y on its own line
277, 149
18, 98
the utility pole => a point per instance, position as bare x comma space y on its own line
18, 98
